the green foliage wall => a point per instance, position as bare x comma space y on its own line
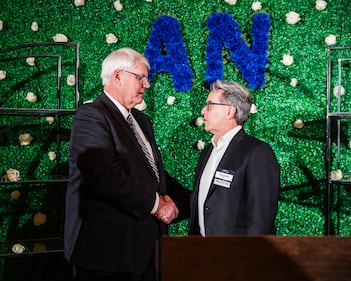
300, 151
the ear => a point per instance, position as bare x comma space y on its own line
116, 74
231, 112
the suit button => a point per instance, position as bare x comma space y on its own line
207, 209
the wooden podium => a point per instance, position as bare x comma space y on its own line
254, 258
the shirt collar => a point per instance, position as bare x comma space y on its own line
226, 138
121, 108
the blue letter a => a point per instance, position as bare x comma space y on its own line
252, 63
166, 37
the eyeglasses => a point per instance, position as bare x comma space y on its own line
209, 103
143, 79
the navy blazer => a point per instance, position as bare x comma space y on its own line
248, 204
111, 192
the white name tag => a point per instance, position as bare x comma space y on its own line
224, 176
222, 183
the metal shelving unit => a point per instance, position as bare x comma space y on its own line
337, 116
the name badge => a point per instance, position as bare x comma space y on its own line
223, 177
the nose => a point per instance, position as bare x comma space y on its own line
203, 110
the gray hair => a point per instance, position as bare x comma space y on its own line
236, 95
124, 58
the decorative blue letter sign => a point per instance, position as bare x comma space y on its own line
252, 63
166, 37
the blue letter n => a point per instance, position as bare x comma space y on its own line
251, 62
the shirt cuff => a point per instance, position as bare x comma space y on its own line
157, 200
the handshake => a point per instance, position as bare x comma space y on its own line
167, 211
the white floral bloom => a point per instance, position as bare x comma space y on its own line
171, 100
30, 61
148, 1
31, 97
2, 74
18, 248
298, 124
199, 121
200, 145
118, 6
253, 109
1, 25
50, 119
25, 139
60, 38
111, 38
336, 175
230, 2
256, 6
141, 106
79, 3
292, 17
52, 155
12, 175
287, 60
330, 40
321, 5
34, 26
338, 89
294, 82
71, 80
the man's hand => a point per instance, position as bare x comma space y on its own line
167, 211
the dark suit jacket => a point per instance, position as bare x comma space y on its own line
111, 191
249, 205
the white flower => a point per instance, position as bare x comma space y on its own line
52, 155
330, 40
1, 25
25, 139
148, 1
287, 60
256, 6
71, 80
34, 26
230, 2
18, 248
336, 175
199, 121
294, 82
31, 97
321, 5
171, 100
30, 61
111, 38
12, 175
79, 2
50, 119
253, 109
298, 124
337, 90
292, 17
118, 6
141, 106
2, 74
200, 145
60, 38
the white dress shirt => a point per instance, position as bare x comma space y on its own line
209, 171
125, 113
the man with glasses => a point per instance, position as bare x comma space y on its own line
117, 205
237, 178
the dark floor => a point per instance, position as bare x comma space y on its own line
37, 267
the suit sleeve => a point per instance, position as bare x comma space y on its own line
263, 181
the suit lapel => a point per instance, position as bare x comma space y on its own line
228, 156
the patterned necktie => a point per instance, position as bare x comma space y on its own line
143, 147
